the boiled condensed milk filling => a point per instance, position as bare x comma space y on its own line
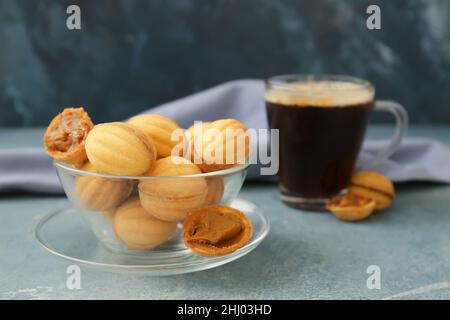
321, 94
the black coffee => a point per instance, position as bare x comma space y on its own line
319, 143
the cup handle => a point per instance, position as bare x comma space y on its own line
401, 121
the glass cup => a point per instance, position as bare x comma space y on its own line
322, 121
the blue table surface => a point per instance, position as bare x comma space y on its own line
305, 256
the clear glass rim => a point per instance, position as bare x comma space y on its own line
281, 82
235, 169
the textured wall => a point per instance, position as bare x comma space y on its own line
135, 54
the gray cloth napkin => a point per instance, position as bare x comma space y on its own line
417, 159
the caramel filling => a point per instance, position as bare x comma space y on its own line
349, 200
69, 132
216, 229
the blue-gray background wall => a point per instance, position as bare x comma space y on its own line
134, 54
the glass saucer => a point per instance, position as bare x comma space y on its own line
64, 234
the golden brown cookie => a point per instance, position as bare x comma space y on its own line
64, 139
100, 194
120, 148
375, 186
139, 230
216, 230
159, 128
351, 207
223, 144
171, 198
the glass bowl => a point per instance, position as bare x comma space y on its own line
98, 197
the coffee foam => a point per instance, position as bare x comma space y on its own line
321, 94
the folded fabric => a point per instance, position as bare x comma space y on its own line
417, 159
29, 170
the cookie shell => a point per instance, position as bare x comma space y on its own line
216, 144
159, 128
139, 230
101, 194
171, 198
220, 238
64, 139
375, 186
120, 149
